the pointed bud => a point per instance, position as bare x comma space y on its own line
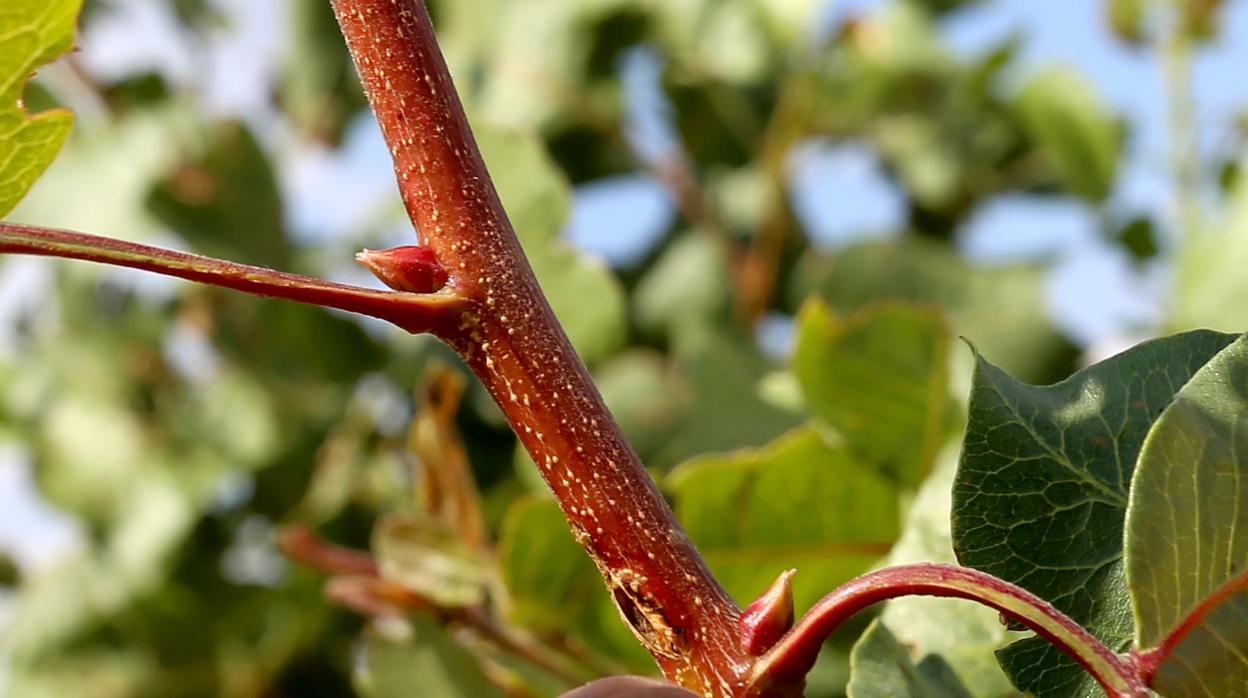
766, 620
410, 268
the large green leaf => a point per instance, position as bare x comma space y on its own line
1189, 499
880, 379
881, 668
1075, 129
32, 32
1001, 309
797, 502
585, 295
1041, 492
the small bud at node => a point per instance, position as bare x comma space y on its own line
411, 268
769, 617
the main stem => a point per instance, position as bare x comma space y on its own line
512, 341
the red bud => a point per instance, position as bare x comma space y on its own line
410, 268
766, 620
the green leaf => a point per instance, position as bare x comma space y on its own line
1211, 656
880, 379
1076, 130
428, 558
585, 295
32, 32
1041, 492
646, 395
1001, 309
962, 633
726, 374
797, 502
554, 587
881, 667
686, 288
427, 663
545, 571
1188, 498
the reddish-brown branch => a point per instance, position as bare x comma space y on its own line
513, 342
300, 543
410, 311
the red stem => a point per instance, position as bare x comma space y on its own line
300, 543
795, 653
512, 341
1148, 660
413, 312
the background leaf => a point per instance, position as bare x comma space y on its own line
797, 502
428, 663
879, 379
882, 668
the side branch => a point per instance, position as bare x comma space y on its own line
413, 312
795, 653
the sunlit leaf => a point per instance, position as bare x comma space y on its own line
1209, 657
1208, 271
32, 32
1188, 500
1041, 492
879, 378
1000, 309
796, 503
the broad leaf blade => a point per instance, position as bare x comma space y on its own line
32, 32
881, 667
1041, 492
1189, 500
797, 502
1210, 656
880, 379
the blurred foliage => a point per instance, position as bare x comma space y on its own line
182, 427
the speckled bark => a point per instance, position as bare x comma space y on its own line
513, 342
